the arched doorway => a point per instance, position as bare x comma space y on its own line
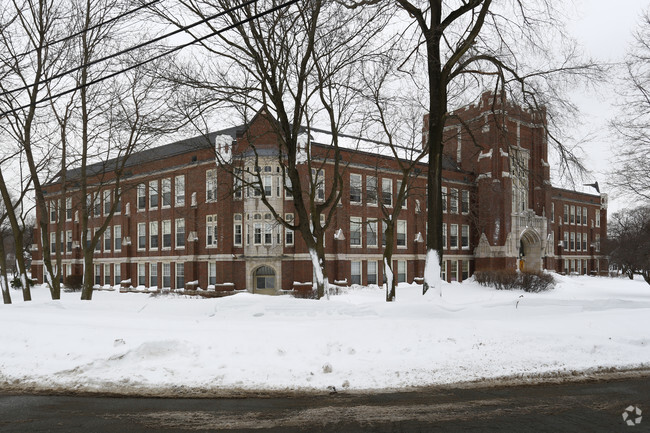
530, 250
264, 278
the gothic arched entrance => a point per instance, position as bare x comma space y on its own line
530, 250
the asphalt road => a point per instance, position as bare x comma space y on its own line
574, 407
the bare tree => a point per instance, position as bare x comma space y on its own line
632, 125
471, 44
628, 241
297, 63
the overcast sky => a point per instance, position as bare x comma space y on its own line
604, 28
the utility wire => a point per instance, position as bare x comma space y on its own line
177, 48
133, 48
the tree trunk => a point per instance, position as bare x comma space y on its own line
391, 280
6, 294
88, 281
321, 282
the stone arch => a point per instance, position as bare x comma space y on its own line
530, 250
264, 278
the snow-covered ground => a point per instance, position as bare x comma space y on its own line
136, 342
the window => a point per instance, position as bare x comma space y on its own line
212, 273
68, 209
107, 239
211, 185
167, 234
98, 276
318, 180
579, 215
211, 231
453, 271
565, 242
153, 194
98, 244
180, 275
88, 238
142, 236
117, 230
401, 271
444, 198
371, 190
355, 232
237, 232
464, 237
52, 242
106, 200
453, 200
355, 188
166, 275
444, 235
398, 185
584, 242
552, 212
566, 214
372, 272
179, 190
584, 216
142, 277
267, 181
153, 235
465, 270
453, 236
597, 219
573, 241
97, 204
288, 233
464, 201
387, 192
573, 215
237, 183
371, 233
597, 241
355, 272
153, 275
107, 274
180, 232
268, 233
68, 241
443, 270
142, 199
264, 278
118, 201
257, 233
578, 241
166, 186
401, 233
117, 274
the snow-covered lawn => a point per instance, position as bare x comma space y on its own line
134, 342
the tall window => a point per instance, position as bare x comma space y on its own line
584, 242
237, 235
398, 186
268, 233
68, 241
579, 215
372, 272
211, 185
453, 271
142, 236
117, 230
106, 199
355, 272
142, 277
444, 198
211, 231
68, 209
52, 242
166, 275
142, 198
179, 190
465, 269
98, 244
355, 231
98, 275
97, 204
166, 186
566, 214
578, 241
371, 233
371, 190
257, 233
355, 188
443, 270
401, 271
464, 237
167, 234
268, 185
444, 235
180, 232
153, 235
401, 233
288, 233
597, 219
118, 201
453, 236
153, 275
573, 215
180, 275
117, 274
552, 212
573, 241
153, 194
453, 200
464, 202
319, 183
519, 174
107, 239
584, 216
387, 191
565, 241
237, 184
212, 273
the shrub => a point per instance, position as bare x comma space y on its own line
17, 284
73, 282
532, 282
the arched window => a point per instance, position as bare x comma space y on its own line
264, 278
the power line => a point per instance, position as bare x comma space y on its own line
133, 48
177, 48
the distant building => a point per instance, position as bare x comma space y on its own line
184, 222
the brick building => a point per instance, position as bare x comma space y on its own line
185, 222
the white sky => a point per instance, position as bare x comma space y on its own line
605, 31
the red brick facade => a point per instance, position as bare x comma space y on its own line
177, 226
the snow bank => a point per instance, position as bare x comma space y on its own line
130, 342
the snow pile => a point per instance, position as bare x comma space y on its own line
132, 342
